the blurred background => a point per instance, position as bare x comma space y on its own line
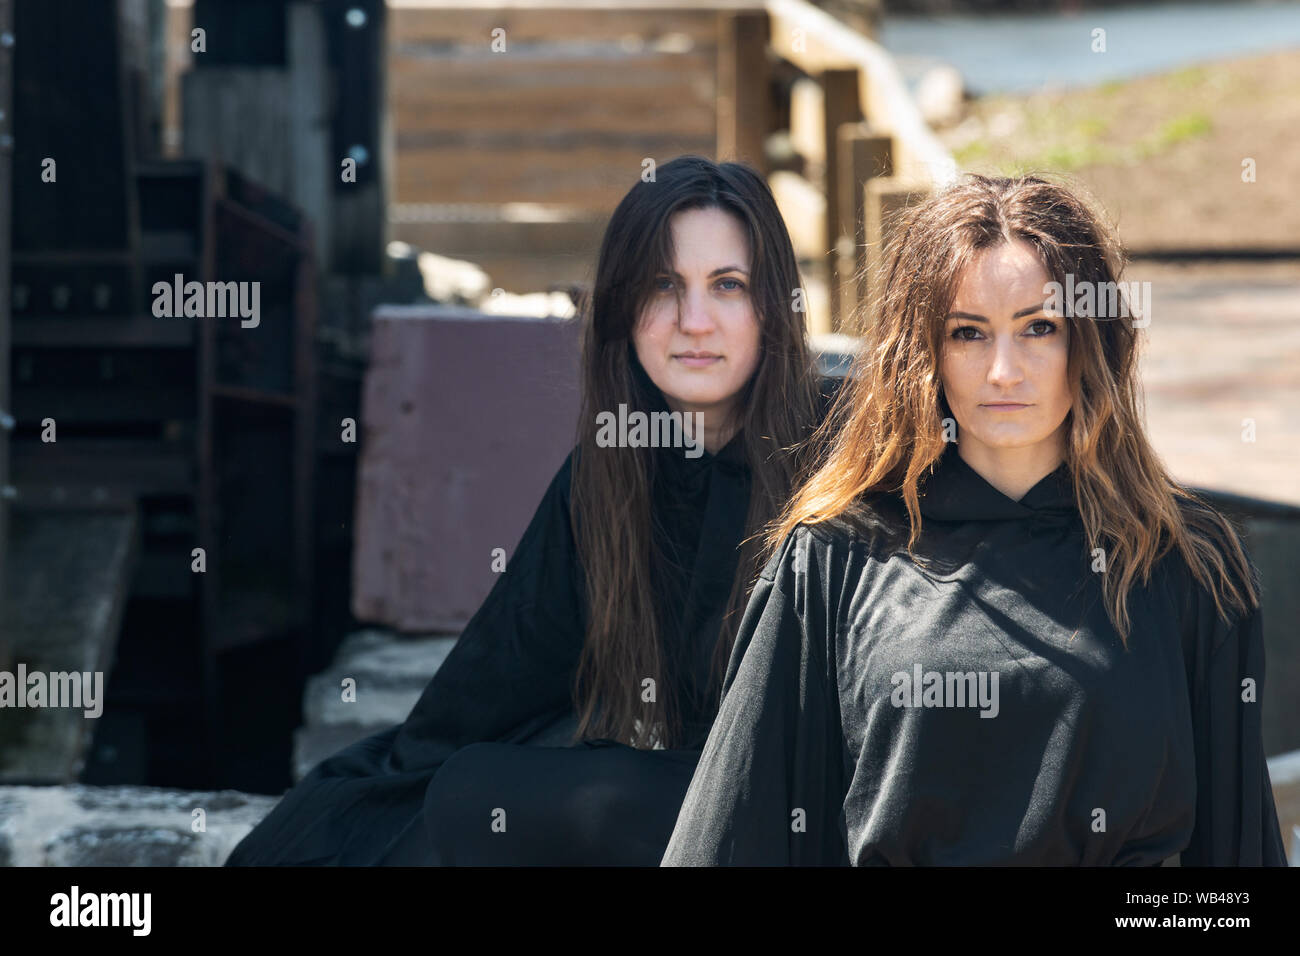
232, 521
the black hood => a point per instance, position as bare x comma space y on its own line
957, 492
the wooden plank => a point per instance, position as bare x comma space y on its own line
583, 5
611, 63
840, 105
586, 177
430, 79
672, 29
885, 200
545, 111
178, 21
743, 106
459, 237
567, 113
864, 155
451, 145
802, 38
815, 41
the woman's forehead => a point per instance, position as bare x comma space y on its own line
1001, 273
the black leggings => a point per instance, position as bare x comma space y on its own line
597, 803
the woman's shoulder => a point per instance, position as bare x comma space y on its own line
831, 544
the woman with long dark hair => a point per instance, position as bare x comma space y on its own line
564, 725
993, 629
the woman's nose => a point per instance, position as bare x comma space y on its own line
1006, 366
693, 315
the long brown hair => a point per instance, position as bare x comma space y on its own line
611, 487
884, 432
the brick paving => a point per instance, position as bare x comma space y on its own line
1223, 347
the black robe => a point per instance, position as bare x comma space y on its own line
502, 696
824, 752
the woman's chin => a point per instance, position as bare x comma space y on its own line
696, 399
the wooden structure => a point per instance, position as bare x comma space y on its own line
519, 125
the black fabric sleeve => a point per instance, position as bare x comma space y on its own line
512, 667
768, 790
1236, 821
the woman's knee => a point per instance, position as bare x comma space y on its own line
457, 802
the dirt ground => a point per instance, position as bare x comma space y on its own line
1163, 154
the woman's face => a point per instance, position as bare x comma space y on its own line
1000, 346
698, 336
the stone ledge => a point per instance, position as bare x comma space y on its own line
390, 670
123, 826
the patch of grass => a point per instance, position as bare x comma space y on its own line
971, 152
1187, 78
1068, 158
1092, 127
1172, 132
1182, 128
1089, 128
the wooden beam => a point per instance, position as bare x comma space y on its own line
814, 41
885, 200
863, 155
502, 30
618, 6
743, 110
839, 106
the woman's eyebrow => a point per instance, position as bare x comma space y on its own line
1030, 310
716, 272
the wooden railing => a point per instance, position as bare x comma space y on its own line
876, 153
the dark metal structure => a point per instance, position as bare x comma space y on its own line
199, 427
6, 417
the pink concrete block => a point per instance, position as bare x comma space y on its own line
465, 419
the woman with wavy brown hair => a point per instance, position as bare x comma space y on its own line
993, 629
564, 725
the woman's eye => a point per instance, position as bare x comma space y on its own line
736, 285
1044, 327
663, 284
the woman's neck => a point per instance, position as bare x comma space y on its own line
717, 437
1012, 471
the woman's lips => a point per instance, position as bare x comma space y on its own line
697, 360
1007, 406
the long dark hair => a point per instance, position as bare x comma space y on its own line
611, 487
884, 433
